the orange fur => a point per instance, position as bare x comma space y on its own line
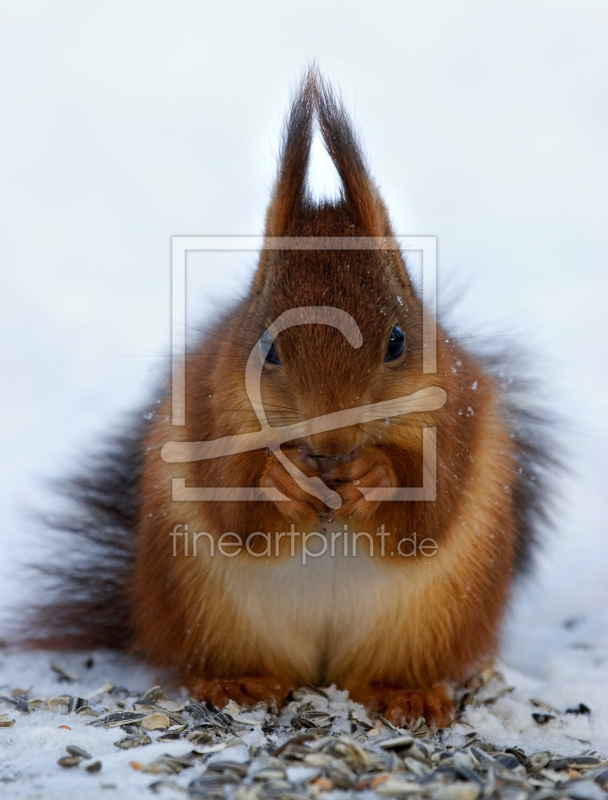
381, 626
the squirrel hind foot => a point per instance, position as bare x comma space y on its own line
246, 691
404, 706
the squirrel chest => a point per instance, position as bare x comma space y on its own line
310, 608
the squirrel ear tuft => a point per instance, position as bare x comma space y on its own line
360, 193
315, 100
289, 193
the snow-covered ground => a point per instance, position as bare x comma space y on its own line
485, 124
532, 714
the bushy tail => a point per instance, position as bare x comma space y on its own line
84, 595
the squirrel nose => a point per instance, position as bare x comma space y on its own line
333, 444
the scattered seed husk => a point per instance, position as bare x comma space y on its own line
153, 695
159, 786
403, 742
74, 750
601, 778
508, 761
235, 767
69, 761
119, 718
458, 791
340, 773
581, 708
312, 748
58, 704
19, 702
578, 762
208, 715
179, 732
349, 751
208, 786
311, 720
518, 753
200, 735
542, 719
21, 692
105, 688
397, 788
78, 705
138, 740
269, 775
150, 708
416, 768
545, 707
172, 764
156, 722
170, 706
537, 761
64, 675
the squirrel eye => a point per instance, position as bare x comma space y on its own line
268, 349
396, 344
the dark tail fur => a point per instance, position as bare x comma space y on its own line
84, 594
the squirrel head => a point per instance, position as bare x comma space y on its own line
313, 369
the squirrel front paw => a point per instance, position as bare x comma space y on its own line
370, 468
302, 507
245, 691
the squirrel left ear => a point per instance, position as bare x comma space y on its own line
360, 192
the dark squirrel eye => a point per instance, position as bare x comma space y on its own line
268, 349
396, 344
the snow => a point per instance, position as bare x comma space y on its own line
127, 125
31, 748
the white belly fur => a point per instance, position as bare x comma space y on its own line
308, 614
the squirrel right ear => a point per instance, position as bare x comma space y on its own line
289, 193
316, 100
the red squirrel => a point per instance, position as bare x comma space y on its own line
218, 589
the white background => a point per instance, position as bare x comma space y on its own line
126, 123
